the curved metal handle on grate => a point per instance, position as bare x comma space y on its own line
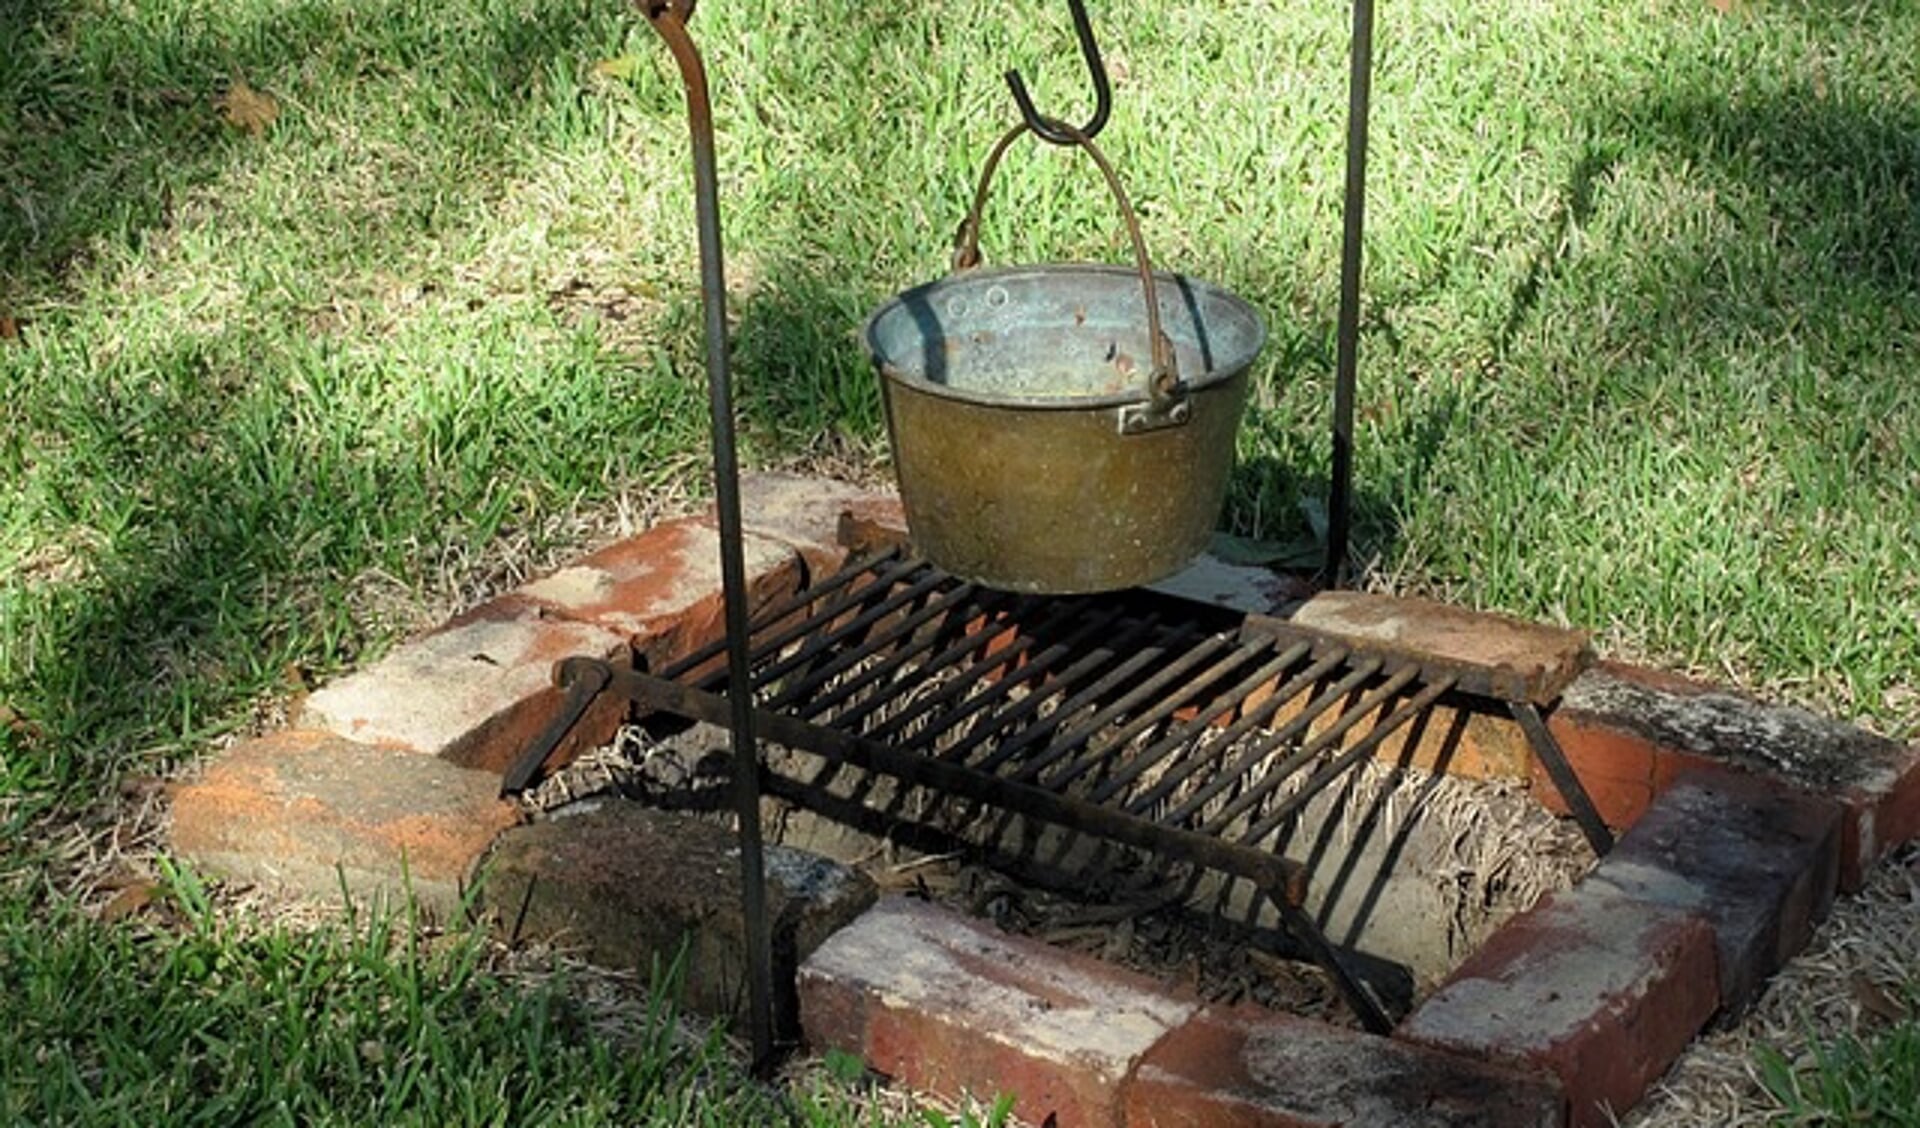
1166, 394
1053, 129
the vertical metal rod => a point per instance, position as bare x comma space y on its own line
1359, 88
668, 18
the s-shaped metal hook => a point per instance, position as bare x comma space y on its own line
1049, 128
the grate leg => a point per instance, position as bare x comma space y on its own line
1353, 989
1554, 759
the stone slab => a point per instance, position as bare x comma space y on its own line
629, 885
1495, 654
302, 812
1632, 733
949, 1005
1236, 587
1757, 860
475, 691
1600, 990
1247, 1067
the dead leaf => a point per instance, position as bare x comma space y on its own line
245, 108
619, 69
9, 328
26, 731
129, 901
1876, 1000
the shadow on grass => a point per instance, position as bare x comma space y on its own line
107, 120
1837, 181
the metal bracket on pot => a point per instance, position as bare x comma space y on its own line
1157, 414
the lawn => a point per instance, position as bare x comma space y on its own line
316, 318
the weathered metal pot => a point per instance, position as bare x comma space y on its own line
1063, 428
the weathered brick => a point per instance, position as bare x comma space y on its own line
952, 1006
1488, 652
1756, 859
1245, 1067
1600, 990
629, 885
1634, 732
476, 691
804, 513
304, 811
661, 590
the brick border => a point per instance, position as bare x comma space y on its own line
390, 780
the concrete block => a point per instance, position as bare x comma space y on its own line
629, 886
661, 590
804, 513
1646, 730
1490, 653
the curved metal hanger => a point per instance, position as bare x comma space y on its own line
1049, 129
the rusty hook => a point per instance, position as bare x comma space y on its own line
1049, 129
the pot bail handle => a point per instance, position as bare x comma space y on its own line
1166, 393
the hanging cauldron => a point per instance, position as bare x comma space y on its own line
1062, 428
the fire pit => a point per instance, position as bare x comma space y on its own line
1192, 736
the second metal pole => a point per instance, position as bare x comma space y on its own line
1340, 501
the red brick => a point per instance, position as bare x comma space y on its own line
1490, 653
1756, 859
1244, 1067
1617, 768
476, 691
304, 811
661, 590
1598, 989
947, 1004
1632, 732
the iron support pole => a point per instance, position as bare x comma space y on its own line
1340, 503
668, 18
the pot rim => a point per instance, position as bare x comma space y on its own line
1206, 378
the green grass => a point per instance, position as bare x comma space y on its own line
1852, 1080
217, 1023
1643, 290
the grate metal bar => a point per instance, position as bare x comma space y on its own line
1170, 780
982, 662
1316, 705
1292, 730
937, 607
781, 609
823, 641
953, 629
976, 633
1015, 674
1204, 722
1090, 696
1061, 685
1093, 755
1287, 808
